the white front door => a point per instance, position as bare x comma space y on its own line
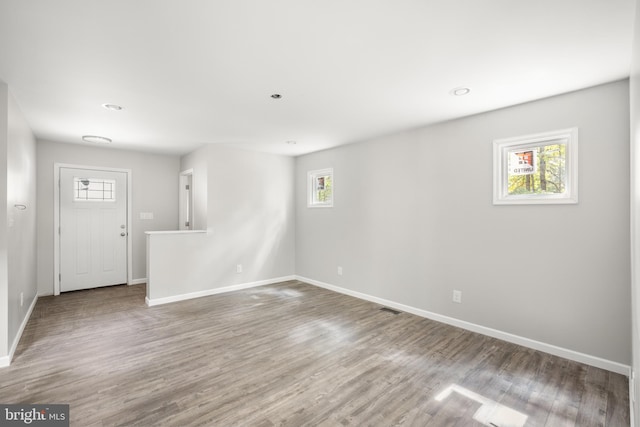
93, 228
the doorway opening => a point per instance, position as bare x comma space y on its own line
185, 213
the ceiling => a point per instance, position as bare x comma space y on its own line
194, 72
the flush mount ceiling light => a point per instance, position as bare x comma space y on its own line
112, 107
460, 91
276, 96
96, 139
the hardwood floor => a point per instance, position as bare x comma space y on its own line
290, 354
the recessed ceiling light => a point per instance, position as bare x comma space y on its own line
113, 107
291, 142
96, 139
460, 91
276, 96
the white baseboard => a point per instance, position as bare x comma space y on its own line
208, 292
505, 336
6, 360
138, 281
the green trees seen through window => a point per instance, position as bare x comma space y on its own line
323, 190
538, 170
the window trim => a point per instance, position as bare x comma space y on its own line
310, 189
501, 149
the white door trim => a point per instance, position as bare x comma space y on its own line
56, 220
182, 216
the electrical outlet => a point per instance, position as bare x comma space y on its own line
21, 299
457, 296
339, 271
239, 268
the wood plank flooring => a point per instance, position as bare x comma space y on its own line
290, 354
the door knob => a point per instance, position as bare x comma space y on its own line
123, 234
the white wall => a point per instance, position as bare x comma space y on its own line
414, 220
249, 210
4, 273
17, 227
635, 214
250, 221
154, 187
21, 190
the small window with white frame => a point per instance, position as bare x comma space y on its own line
94, 190
536, 169
320, 188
